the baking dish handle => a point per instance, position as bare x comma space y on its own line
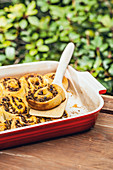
95, 84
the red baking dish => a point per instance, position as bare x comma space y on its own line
86, 91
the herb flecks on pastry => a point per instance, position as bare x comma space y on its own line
46, 98
11, 86
48, 79
31, 81
13, 105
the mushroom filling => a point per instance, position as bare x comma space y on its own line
25, 120
42, 95
14, 105
7, 124
12, 84
34, 81
52, 76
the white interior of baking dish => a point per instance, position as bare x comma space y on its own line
83, 89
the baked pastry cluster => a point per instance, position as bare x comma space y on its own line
18, 95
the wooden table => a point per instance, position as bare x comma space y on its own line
89, 150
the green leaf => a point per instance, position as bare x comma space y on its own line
43, 34
35, 36
106, 21
97, 42
106, 63
45, 8
33, 20
37, 57
1, 46
51, 40
110, 41
111, 70
91, 54
66, 2
2, 12
28, 58
10, 36
23, 24
30, 46
6, 43
54, 1
10, 53
43, 48
103, 47
33, 52
85, 63
2, 57
74, 36
3, 21
64, 38
39, 42
26, 38
1, 37
103, 29
31, 6
31, 9
97, 63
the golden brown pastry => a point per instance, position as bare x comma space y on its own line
11, 86
48, 79
2, 118
12, 105
5, 125
45, 98
2, 126
31, 81
20, 121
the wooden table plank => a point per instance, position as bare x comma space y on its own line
89, 150
108, 103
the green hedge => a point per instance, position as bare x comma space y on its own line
39, 30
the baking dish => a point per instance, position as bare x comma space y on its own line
84, 93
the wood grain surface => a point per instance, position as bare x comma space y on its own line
89, 150
108, 105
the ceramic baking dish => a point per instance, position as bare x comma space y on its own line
84, 93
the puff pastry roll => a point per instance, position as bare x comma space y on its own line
20, 121
45, 98
31, 81
13, 105
48, 79
11, 86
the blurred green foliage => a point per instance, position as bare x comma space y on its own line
39, 30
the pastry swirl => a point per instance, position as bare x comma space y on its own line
11, 86
20, 121
31, 81
13, 105
45, 98
48, 79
